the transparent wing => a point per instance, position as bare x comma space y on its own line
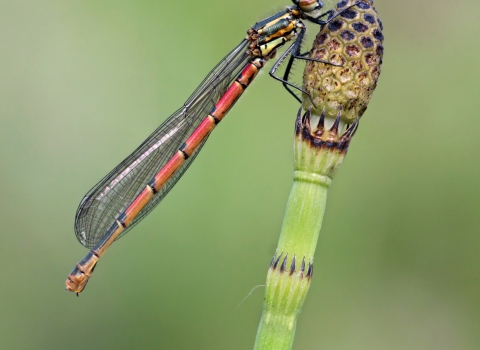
113, 194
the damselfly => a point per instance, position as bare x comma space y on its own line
134, 187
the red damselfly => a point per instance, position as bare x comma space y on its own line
134, 187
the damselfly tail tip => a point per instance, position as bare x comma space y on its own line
70, 286
76, 282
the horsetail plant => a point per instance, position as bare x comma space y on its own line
340, 93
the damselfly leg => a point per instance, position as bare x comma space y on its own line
134, 187
293, 53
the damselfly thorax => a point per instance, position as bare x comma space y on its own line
135, 186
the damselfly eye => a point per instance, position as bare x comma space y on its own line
133, 188
309, 5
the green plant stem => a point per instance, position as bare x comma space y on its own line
304, 214
286, 292
291, 270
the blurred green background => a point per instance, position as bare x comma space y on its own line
84, 82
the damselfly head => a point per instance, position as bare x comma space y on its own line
308, 5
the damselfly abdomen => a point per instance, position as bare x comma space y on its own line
133, 188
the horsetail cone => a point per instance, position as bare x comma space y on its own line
351, 44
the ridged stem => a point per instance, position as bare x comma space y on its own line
291, 269
286, 289
353, 41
